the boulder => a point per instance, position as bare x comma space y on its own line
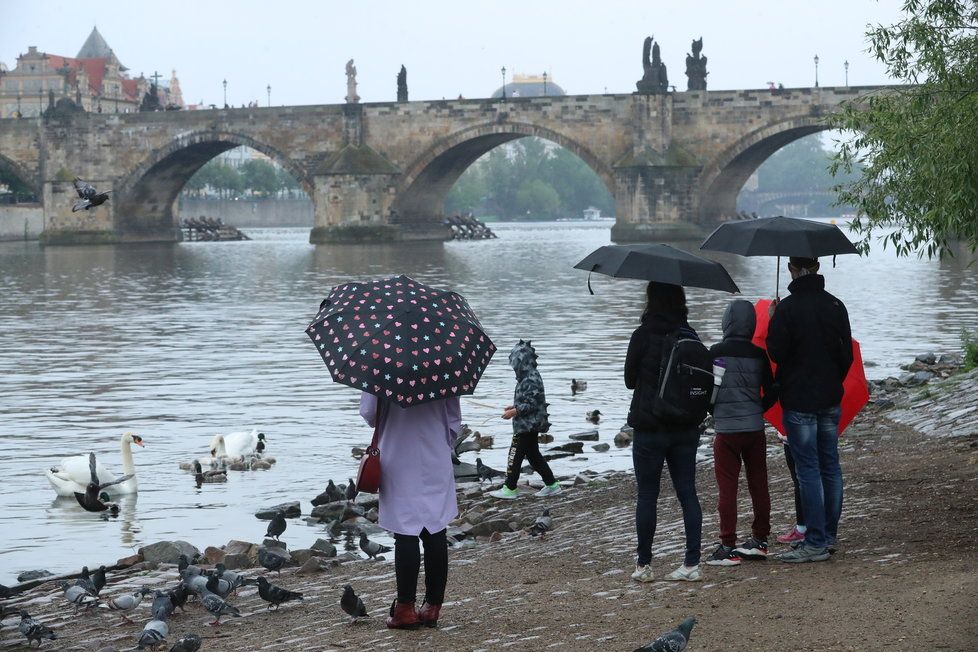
237, 561
235, 547
214, 555
487, 527
338, 511
300, 557
623, 438
573, 447
274, 545
168, 552
922, 377
602, 447
465, 471
347, 557
131, 560
587, 435
556, 456
311, 566
324, 547
291, 509
367, 501
372, 515
27, 576
927, 358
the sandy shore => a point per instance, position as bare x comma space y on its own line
905, 577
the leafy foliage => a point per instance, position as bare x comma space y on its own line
257, 176
800, 166
919, 144
969, 342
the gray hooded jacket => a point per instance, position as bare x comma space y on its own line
528, 399
747, 390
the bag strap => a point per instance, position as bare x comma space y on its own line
377, 417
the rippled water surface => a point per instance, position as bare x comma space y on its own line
179, 342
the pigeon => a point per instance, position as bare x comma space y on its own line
187, 643
672, 641
270, 560
541, 525
93, 500
218, 586
153, 634
218, 607
162, 607
79, 596
125, 602
196, 584
351, 490
207, 477
352, 604
372, 548
593, 416
183, 564
85, 581
90, 197
178, 596
330, 494
98, 579
577, 386
485, 472
275, 595
33, 630
235, 579
277, 526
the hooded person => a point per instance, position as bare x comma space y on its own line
745, 393
530, 418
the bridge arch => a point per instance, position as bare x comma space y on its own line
722, 178
146, 196
9, 167
425, 182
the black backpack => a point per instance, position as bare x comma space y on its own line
685, 381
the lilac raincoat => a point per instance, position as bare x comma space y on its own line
417, 483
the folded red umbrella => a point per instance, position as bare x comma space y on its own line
855, 391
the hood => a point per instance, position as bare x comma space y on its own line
739, 319
523, 358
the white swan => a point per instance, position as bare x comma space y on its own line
236, 444
73, 474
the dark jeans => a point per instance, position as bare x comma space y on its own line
814, 441
407, 565
729, 450
790, 461
526, 445
677, 449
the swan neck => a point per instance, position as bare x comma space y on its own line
127, 464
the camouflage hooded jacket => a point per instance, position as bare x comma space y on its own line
528, 399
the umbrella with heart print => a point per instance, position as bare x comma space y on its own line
401, 340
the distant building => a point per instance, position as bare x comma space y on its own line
94, 76
529, 86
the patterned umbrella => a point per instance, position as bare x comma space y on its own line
401, 340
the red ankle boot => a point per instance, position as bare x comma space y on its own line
429, 614
403, 616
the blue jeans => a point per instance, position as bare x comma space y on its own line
814, 441
677, 449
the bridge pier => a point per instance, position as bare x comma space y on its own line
656, 202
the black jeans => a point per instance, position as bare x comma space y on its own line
790, 461
407, 565
526, 445
677, 449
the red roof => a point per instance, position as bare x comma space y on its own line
94, 69
130, 88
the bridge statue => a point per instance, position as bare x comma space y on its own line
654, 80
402, 92
351, 83
696, 68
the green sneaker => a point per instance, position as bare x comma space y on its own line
505, 493
548, 490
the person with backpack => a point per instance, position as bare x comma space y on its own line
745, 393
667, 366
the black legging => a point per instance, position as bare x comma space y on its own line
407, 565
526, 445
790, 461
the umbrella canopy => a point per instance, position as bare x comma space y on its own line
779, 236
401, 340
658, 262
855, 392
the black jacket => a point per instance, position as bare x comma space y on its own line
810, 341
740, 404
642, 364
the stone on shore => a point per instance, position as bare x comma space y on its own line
487, 527
291, 509
367, 501
245, 548
325, 547
272, 544
214, 555
315, 565
587, 435
238, 561
602, 447
927, 358
624, 437
131, 560
168, 552
574, 447
27, 576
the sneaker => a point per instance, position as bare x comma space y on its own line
685, 574
803, 554
752, 549
791, 536
505, 493
643, 573
548, 490
723, 556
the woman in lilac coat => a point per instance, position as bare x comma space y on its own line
417, 498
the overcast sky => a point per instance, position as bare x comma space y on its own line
452, 47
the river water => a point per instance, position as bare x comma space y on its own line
179, 342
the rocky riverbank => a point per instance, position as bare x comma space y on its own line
905, 576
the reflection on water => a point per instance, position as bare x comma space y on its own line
180, 342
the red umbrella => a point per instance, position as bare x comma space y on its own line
855, 391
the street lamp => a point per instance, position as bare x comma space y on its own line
544, 83
19, 114
846, 66
225, 83
816, 71
40, 102
268, 89
503, 71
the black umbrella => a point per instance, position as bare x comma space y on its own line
779, 236
401, 340
657, 262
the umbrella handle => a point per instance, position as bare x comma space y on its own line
593, 267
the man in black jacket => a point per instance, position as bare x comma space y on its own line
810, 340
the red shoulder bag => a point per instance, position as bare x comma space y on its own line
368, 477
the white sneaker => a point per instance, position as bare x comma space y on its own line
505, 493
643, 574
686, 574
548, 490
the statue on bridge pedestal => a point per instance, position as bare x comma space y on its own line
351, 83
655, 80
696, 68
402, 92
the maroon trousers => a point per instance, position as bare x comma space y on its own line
729, 449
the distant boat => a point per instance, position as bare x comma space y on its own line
592, 213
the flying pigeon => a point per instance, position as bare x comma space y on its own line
93, 500
125, 602
672, 641
372, 548
352, 604
162, 607
351, 490
270, 560
218, 607
275, 595
153, 634
593, 416
485, 472
188, 643
541, 525
79, 596
277, 526
90, 197
33, 630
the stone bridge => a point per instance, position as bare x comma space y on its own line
380, 171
